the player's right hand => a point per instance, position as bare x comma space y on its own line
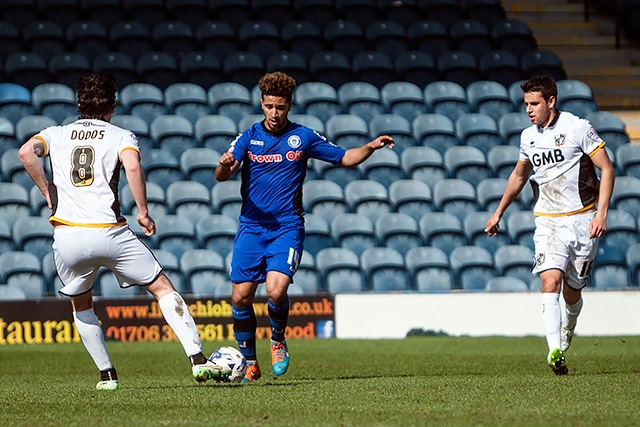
227, 159
492, 225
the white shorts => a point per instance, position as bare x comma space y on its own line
563, 243
79, 252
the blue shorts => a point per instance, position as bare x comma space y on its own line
258, 249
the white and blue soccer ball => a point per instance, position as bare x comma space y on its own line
230, 357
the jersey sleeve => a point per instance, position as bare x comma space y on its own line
322, 149
588, 137
238, 146
45, 136
129, 141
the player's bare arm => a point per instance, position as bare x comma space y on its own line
601, 160
29, 155
357, 155
135, 177
515, 183
227, 165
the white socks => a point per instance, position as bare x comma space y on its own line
571, 314
551, 318
92, 337
177, 315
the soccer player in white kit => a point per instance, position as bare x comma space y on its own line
562, 150
89, 231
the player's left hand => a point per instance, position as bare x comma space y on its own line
381, 141
597, 227
147, 224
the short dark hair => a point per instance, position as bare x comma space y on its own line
277, 84
543, 84
96, 95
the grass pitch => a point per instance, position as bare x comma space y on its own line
418, 381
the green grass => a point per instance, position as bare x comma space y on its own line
419, 381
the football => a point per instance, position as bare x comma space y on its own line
232, 358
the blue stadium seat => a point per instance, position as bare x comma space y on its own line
345, 37
386, 36
319, 12
244, 68
143, 100
198, 164
291, 63
187, 100
119, 64
26, 69
7, 136
517, 96
436, 131
318, 99
173, 37
331, 67
216, 232
303, 37
486, 11
633, 260
52, 281
423, 164
43, 38
231, 99
148, 11
521, 226
347, 130
628, 159
500, 66
467, 163
396, 126
610, 128
398, 231
307, 276
510, 126
373, 67
158, 68
19, 12
405, 13
161, 167
173, 133
341, 271
190, 199
626, 195
259, 37
138, 126
6, 239
506, 284
459, 67
134, 226
191, 12
416, 67
576, 97
473, 267
87, 38
353, 231
403, 98
385, 270
13, 170
622, 230
216, 131
489, 192
543, 62
471, 36
383, 166
490, 98
455, 196
474, 225
442, 230
66, 67
156, 200
11, 39
361, 99
54, 100
217, 38
226, 198
317, 234
430, 269
171, 268
15, 102
203, 270
201, 68
610, 269
33, 234
14, 202
478, 130
336, 173
132, 38
324, 198
447, 98
430, 36
367, 197
514, 36
175, 234
362, 12
514, 261
411, 197
23, 270
28, 126
445, 11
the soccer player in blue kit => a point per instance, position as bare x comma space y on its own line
270, 239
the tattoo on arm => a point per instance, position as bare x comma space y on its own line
38, 149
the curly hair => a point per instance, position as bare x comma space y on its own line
543, 84
277, 84
96, 95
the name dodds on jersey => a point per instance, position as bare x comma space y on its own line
87, 134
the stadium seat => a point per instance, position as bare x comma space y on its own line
291, 63
367, 197
340, 270
187, 100
198, 164
10, 39
622, 230
398, 231
490, 98
543, 62
307, 276
226, 198
626, 195
28, 126
445, 11
249, 120
87, 38
244, 68
633, 260
335, 173
455, 196
411, 197
362, 12
303, 37
478, 130
67, 67
383, 166
43, 38
385, 270
201, 68
576, 97
317, 234
471, 36
217, 38
346, 37
318, 99
610, 128
459, 67
395, 126
189, 199
474, 225
436, 131
500, 66
514, 36
171, 268
373, 67
52, 281
33, 234
361, 99
467, 163
386, 36
347, 130
442, 230
132, 38
447, 98
203, 270
521, 226
23, 270
216, 132
473, 267
26, 69
610, 269
404, 99
173, 134
14, 202
628, 159
175, 234
119, 64
106, 285
430, 269
506, 284
405, 13
260, 38
486, 11
158, 68
6, 238
489, 193
430, 36
107, 12
8, 139
54, 100
216, 232
138, 126
416, 67
514, 261
19, 12
510, 126
324, 198
353, 231
423, 164
319, 12
15, 102
156, 200
232, 12
148, 11
13, 170
143, 100
230, 99
133, 224
173, 37
312, 122
161, 167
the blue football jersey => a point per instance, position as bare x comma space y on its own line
274, 168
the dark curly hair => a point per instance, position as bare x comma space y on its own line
96, 95
543, 84
277, 84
